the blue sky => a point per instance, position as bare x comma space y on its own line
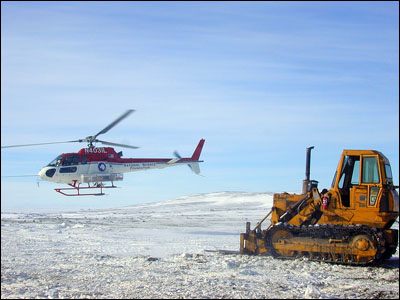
260, 81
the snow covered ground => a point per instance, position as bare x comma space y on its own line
158, 250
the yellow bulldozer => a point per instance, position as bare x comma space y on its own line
348, 224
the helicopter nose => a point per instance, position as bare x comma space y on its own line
41, 173
46, 173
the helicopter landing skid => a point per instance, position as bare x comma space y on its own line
77, 188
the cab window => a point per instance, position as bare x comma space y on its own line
370, 173
355, 178
55, 162
389, 176
68, 170
349, 176
350, 172
71, 160
334, 180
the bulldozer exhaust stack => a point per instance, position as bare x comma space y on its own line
306, 181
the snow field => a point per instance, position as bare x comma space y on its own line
161, 250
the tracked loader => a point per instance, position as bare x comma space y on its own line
348, 224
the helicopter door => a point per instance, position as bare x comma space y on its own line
69, 168
83, 166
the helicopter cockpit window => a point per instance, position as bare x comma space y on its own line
55, 162
71, 160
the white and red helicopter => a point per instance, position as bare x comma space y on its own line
96, 165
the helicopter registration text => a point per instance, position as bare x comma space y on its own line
95, 150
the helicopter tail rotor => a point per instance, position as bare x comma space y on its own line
194, 167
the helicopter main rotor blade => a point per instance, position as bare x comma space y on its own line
26, 145
115, 144
90, 139
19, 176
123, 116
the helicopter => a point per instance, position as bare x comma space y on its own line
93, 167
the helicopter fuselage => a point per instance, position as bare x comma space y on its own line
96, 165
102, 164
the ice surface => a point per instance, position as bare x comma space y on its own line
158, 250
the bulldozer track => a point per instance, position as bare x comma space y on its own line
339, 252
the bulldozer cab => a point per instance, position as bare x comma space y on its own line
363, 182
